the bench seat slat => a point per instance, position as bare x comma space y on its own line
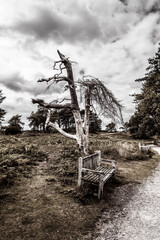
91, 177
94, 177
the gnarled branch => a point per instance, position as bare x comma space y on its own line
64, 99
51, 105
54, 78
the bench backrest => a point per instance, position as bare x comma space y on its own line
92, 161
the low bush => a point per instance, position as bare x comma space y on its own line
13, 130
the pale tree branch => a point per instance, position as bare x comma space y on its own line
60, 130
48, 118
62, 57
60, 101
54, 125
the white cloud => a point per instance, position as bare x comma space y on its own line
111, 40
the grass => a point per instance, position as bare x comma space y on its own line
39, 197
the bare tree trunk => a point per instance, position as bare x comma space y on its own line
81, 136
86, 117
80, 132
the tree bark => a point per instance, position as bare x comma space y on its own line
86, 117
81, 137
51, 105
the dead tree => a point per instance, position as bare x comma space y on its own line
93, 91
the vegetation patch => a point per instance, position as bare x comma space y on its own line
16, 157
42, 197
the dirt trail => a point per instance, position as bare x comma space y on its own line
140, 218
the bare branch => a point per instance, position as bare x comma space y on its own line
55, 63
60, 70
64, 99
50, 124
62, 57
51, 105
61, 67
48, 118
102, 96
60, 101
45, 79
53, 125
55, 79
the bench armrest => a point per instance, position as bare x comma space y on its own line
92, 171
113, 162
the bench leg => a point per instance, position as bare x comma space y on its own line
79, 171
79, 179
100, 190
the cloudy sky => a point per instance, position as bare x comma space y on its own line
109, 39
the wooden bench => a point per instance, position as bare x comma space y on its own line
94, 170
144, 148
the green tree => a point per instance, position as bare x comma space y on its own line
15, 125
2, 111
146, 120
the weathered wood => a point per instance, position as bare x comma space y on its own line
79, 171
90, 170
144, 148
113, 162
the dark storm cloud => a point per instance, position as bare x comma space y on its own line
13, 82
123, 1
17, 83
105, 23
153, 8
47, 24
148, 6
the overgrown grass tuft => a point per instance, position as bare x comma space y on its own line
17, 155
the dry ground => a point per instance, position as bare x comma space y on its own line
38, 176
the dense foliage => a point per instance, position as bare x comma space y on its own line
15, 125
37, 119
146, 120
111, 127
64, 118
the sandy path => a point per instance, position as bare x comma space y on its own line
141, 217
